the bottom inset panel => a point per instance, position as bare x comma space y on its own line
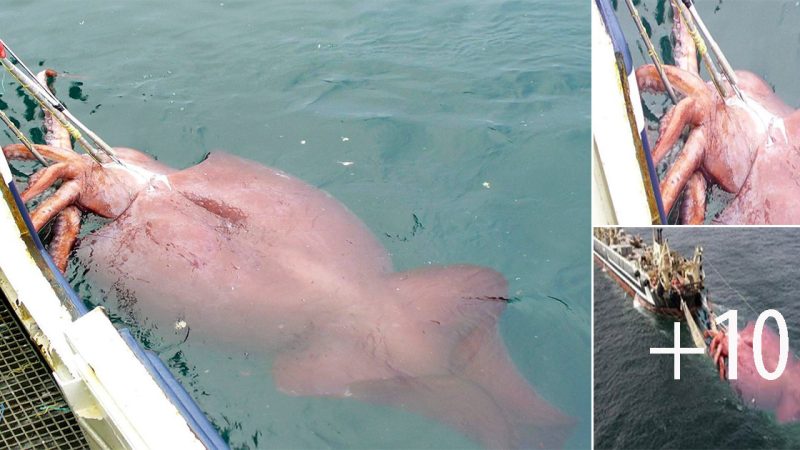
717, 308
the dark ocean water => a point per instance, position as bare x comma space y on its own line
760, 36
637, 403
457, 131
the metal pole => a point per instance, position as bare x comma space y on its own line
723, 61
34, 89
22, 138
652, 51
716, 77
56, 107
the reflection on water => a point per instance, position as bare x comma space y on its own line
456, 132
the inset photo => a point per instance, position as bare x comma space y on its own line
694, 112
696, 338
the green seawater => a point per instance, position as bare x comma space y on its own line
466, 123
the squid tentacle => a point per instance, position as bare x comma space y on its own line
65, 233
687, 163
68, 222
65, 196
48, 176
684, 50
672, 126
718, 350
718, 353
691, 110
56, 135
20, 152
693, 207
685, 82
68, 169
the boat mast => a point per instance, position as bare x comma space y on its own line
658, 238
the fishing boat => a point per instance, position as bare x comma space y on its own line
658, 278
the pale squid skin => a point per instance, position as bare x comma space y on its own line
248, 255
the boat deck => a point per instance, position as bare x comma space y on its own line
658, 278
33, 411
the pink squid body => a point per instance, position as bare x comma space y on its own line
781, 395
228, 243
245, 254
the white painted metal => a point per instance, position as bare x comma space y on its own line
5, 171
613, 139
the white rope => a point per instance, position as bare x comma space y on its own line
745, 302
734, 290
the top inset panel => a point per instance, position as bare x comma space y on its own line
694, 117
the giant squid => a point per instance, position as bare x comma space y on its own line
245, 253
782, 395
749, 146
